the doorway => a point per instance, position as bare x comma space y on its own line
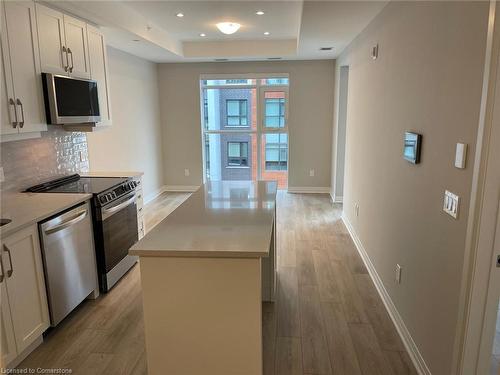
338, 189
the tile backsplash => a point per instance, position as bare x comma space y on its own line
31, 161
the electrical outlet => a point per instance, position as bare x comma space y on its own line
186, 172
398, 273
356, 209
2, 176
311, 172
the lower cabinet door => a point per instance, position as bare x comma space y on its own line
8, 343
22, 261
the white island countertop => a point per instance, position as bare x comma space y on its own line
232, 219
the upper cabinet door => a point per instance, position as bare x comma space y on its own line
76, 43
24, 277
53, 55
8, 115
25, 65
99, 72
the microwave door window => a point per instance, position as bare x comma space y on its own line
76, 97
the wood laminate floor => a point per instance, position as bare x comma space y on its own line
328, 317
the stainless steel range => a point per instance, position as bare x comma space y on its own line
114, 214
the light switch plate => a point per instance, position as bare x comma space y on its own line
451, 204
461, 155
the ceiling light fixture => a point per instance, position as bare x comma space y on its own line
267, 33
203, 35
228, 27
326, 48
259, 13
180, 15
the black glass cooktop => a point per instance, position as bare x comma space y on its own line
77, 184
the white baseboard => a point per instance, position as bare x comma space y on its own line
405, 335
309, 189
338, 199
182, 188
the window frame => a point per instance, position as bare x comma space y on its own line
259, 130
240, 158
242, 103
280, 146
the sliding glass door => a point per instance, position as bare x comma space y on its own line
244, 129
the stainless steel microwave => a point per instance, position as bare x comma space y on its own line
70, 100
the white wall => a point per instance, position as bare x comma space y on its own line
133, 143
427, 78
310, 117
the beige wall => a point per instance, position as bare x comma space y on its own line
310, 117
133, 143
427, 78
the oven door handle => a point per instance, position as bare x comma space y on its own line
56, 228
118, 207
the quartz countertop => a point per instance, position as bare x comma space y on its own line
230, 219
112, 174
25, 209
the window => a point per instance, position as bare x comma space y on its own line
205, 111
276, 152
274, 112
236, 112
237, 154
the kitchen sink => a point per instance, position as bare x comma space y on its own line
4, 221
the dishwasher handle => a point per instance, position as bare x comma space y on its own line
65, 224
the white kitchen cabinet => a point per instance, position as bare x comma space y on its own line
77, 48
141, 228
25, 286
99, 71
63, 43
8, 343
22, 88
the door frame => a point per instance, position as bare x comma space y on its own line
477, 295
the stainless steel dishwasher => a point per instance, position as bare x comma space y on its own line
69, 259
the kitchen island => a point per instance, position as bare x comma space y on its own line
205, 270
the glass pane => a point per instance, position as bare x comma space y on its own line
274, 109
228, 82
275, 81
233, 107
229, 107
233, 149
274, 158
231, 156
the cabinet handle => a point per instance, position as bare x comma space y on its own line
19, 103
13, 103
1, 269
65, 52
11, 271
72, 64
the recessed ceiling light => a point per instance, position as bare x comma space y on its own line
228, 27
203, 35
259, 13
267, 33
326, 48
136, 40
180, 15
